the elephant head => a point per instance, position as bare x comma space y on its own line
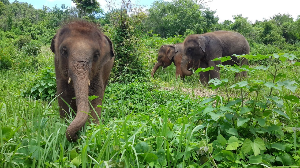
166, 56
83, 60
194, 51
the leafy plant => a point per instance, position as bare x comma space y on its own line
33, 48
44, 86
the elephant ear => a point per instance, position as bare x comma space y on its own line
112, 52
176, 48
52, 47
202, 43
171, 51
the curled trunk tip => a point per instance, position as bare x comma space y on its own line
184, 67
156, 66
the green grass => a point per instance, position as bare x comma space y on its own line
158, 123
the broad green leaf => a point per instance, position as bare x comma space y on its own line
297, 63
257, 146
239, 85
77, 161
233, 139
208, 109
233, 143
281, 113
245, 110
224, 108
232, 146
204, 69
221, 140
278, 146
232, 131
255, 159
73, 154
272, 85
222, 59
207, 101
287, 159
292, 98
261, 121
290, 85
142, 147
216, 116
246, 148
228, 155
241, 121
149, 157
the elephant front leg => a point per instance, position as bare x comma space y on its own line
204, 76
215, 73
65, 100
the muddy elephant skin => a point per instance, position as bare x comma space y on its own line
83, 60
203, 48
169, 54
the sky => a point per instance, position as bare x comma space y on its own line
225, 9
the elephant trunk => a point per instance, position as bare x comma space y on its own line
80, 77
184, 67
156, 66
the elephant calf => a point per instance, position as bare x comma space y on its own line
168, 54
204, 48
83, 60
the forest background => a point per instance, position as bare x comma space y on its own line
151, 122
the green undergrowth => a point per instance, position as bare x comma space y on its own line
251, 122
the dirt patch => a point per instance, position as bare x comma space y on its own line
197, 92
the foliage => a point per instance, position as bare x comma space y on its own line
87, 6
160, 122
128, 65
32, 48
5, 61
175, 17
44, 85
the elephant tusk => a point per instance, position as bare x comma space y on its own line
89, 82
69, 81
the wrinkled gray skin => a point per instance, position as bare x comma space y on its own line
205, 47
83, 60
168, 54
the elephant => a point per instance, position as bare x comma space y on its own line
204, 48
168, 54
83, 60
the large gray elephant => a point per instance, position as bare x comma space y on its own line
204, 48
168, 54
83, 60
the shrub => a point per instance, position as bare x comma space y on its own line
22, 41
33, 48
5, 61
44, 87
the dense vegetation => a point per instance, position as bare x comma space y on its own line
160, 122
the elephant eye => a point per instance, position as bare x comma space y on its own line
64, 51
96, 56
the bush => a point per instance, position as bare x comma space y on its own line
33, 48
5, 61
22, 41
44, 87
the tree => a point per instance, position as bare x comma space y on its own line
5, 2
174, 18
87, 6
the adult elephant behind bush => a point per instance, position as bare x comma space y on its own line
168, 54
204, 48
83, 60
